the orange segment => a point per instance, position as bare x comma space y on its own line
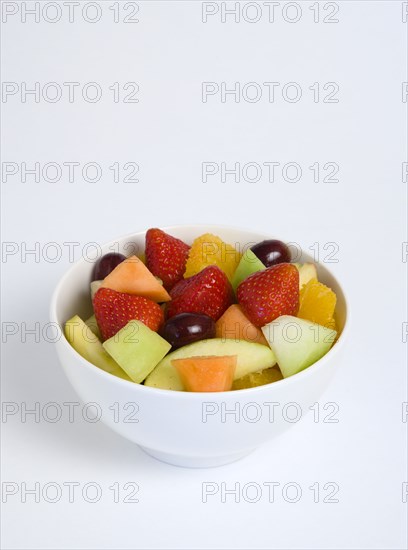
317, 303
211, 250
331, 323
207, 373
267, 376
235, 325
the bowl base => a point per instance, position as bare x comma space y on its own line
193, 461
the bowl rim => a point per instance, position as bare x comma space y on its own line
309, 371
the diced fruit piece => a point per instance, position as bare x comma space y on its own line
206, 374
208, 250
137, 349
166, 256
331, 323
84, 341
113, 310
250, 358
317, 303
267, 376
93, 325
209, 292
95, 286
234, 324
106, 264
133, 277
186, 328
297, 343
248, 264
270, 293
306, 273
272, 252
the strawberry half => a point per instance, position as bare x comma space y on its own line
166, 256
270, 293
208, 292
113, 311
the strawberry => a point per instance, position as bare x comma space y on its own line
268, 294
113, 311
208, 292
166, 256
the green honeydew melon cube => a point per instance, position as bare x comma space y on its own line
84, 341
297, 343
137, 349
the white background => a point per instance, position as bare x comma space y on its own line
169, 133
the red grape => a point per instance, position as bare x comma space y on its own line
272, 252
106, 264
186, 328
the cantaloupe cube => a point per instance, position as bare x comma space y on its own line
234, 324
132, 277
209, 373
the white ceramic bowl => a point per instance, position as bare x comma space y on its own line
182, 428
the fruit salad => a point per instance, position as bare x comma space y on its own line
205, 316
